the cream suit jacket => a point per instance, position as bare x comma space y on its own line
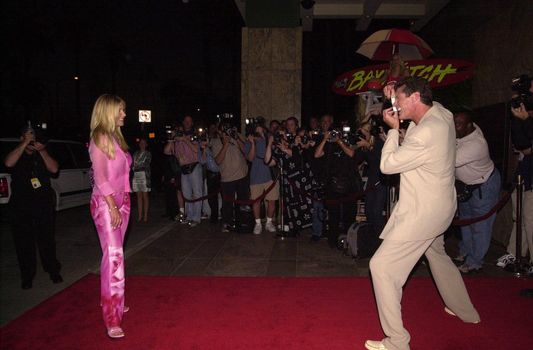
426, 162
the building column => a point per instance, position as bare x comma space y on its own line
271, 73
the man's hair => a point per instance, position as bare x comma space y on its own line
468, 113
416, 84
293, 119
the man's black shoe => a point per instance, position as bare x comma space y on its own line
26, 285
314, 239
56, 278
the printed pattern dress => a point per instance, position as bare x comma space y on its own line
141, 171
299, 189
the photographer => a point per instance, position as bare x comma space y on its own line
298, 181
229, 155
522, 139
369, 146
32, 206
186, 151
260, 176
212, 172
341, 179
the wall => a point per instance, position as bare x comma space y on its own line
271, 73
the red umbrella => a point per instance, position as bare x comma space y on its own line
383, 44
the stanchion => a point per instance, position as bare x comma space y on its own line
281, 234
519, 268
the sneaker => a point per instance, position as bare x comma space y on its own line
225, 228
192, 223
269, 226
466, 269
530, 270
505, 260
459, 259
258, 228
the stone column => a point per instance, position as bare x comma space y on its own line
271, 73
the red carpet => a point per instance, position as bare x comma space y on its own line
270, 313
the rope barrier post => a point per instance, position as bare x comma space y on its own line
281, 235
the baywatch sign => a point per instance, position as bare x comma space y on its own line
439, 72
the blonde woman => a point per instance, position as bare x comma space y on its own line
110, 203
141, 178
398, 69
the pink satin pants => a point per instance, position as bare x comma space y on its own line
112, 266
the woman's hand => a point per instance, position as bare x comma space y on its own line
116, 218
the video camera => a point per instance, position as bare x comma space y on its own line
522, 85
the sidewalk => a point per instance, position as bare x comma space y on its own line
78, 250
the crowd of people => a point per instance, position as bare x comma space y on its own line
310, 173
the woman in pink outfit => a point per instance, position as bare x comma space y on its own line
110, 203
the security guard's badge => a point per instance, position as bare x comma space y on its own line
35, 182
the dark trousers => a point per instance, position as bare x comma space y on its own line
33, 225
171, 199
339, 215
238, 188
374, 204
213, 188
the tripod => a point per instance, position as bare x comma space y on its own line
519, 268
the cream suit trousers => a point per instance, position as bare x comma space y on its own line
390, 267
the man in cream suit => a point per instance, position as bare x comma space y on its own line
427, 204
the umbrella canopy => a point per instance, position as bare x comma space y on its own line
383, 44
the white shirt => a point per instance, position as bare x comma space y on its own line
472, 161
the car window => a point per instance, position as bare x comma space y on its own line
81, 155
61, 153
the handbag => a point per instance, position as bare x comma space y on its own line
188, 168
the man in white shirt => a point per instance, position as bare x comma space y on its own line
475, 169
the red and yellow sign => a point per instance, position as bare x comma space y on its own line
439, 72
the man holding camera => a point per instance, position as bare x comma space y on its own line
522, 138
186, 151
341, 179
260, 176
426, 163
480, 181
229, 155
33, 207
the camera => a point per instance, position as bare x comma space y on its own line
252, 124
199, 136
521, 85
38, 131
231, 131
377, 124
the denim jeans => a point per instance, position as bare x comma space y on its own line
318, 218
476, 237
192, 186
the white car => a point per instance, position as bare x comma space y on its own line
73, 185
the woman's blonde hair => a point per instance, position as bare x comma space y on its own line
103, 124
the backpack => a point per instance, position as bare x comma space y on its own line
360, 241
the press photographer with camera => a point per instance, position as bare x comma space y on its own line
185, 149
298, 182
228, 149
32, 206
260, 175
337, 148
522, 139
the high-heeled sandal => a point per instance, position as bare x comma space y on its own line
126, 309
115, 332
